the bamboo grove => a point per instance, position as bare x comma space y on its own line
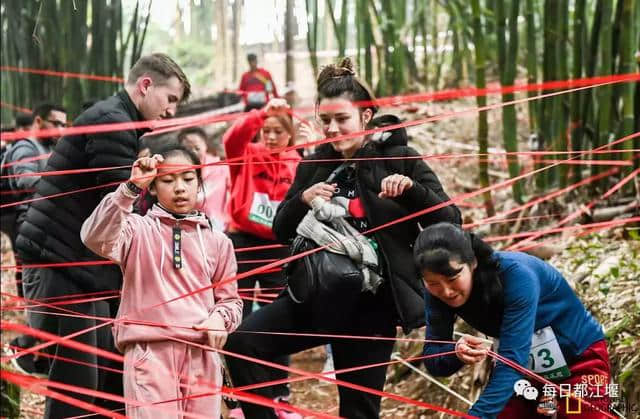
86, 36
400, 46
434, 44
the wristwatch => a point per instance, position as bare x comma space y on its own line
133, 188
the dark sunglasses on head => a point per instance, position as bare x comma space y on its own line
57, 124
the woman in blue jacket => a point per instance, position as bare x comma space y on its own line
528, 306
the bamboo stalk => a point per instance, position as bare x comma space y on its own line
483, 127
532, 63
605, 67
507, 56
627, 65
577, 125
312, 35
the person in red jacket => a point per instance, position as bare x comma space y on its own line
258, 185
256, 85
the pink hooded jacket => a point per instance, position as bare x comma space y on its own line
143, 247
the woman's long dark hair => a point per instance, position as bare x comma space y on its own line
440, 243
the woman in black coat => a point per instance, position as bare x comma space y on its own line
374, 191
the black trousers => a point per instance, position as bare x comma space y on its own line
284, 315
9, 224
46, 283
265, 280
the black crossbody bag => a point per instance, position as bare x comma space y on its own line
322, 277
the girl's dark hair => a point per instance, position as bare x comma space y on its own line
192, 130
173, 149
440, 243
337, 80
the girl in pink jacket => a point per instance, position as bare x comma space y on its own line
170, 252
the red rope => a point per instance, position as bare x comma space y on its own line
63, 74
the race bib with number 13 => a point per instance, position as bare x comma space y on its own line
545, 357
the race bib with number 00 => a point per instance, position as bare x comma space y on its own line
263, 209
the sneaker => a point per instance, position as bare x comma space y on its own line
285, 414
27, 364
236, 413
328, 366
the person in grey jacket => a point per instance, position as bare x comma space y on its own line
23, 151
22, 155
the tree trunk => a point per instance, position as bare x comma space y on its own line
532, 64
312, 35
627, 66
222, 40
605, 68
424, 30
483, 127
549, 106
339, 28
237, 12
579, 38
368, 42
507, 56
561, 135
434, 43
289, 27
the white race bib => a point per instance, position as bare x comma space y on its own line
256, 98
545, 357
263, 209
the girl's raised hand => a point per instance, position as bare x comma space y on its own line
307, 133
276, 106
144, 170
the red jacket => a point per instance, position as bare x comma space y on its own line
257, 87
259, 184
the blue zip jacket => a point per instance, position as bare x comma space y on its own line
535, 296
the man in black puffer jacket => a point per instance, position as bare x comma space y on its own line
51, 230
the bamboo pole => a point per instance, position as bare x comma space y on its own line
626, 66
507, 56
532, 64
483, 127
579, 38
605, 67
312, 35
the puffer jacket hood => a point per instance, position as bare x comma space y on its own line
394, 137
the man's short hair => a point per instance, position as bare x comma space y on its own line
44, 109
160, 68
252, 57
192, 130
24, 120
87, 104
